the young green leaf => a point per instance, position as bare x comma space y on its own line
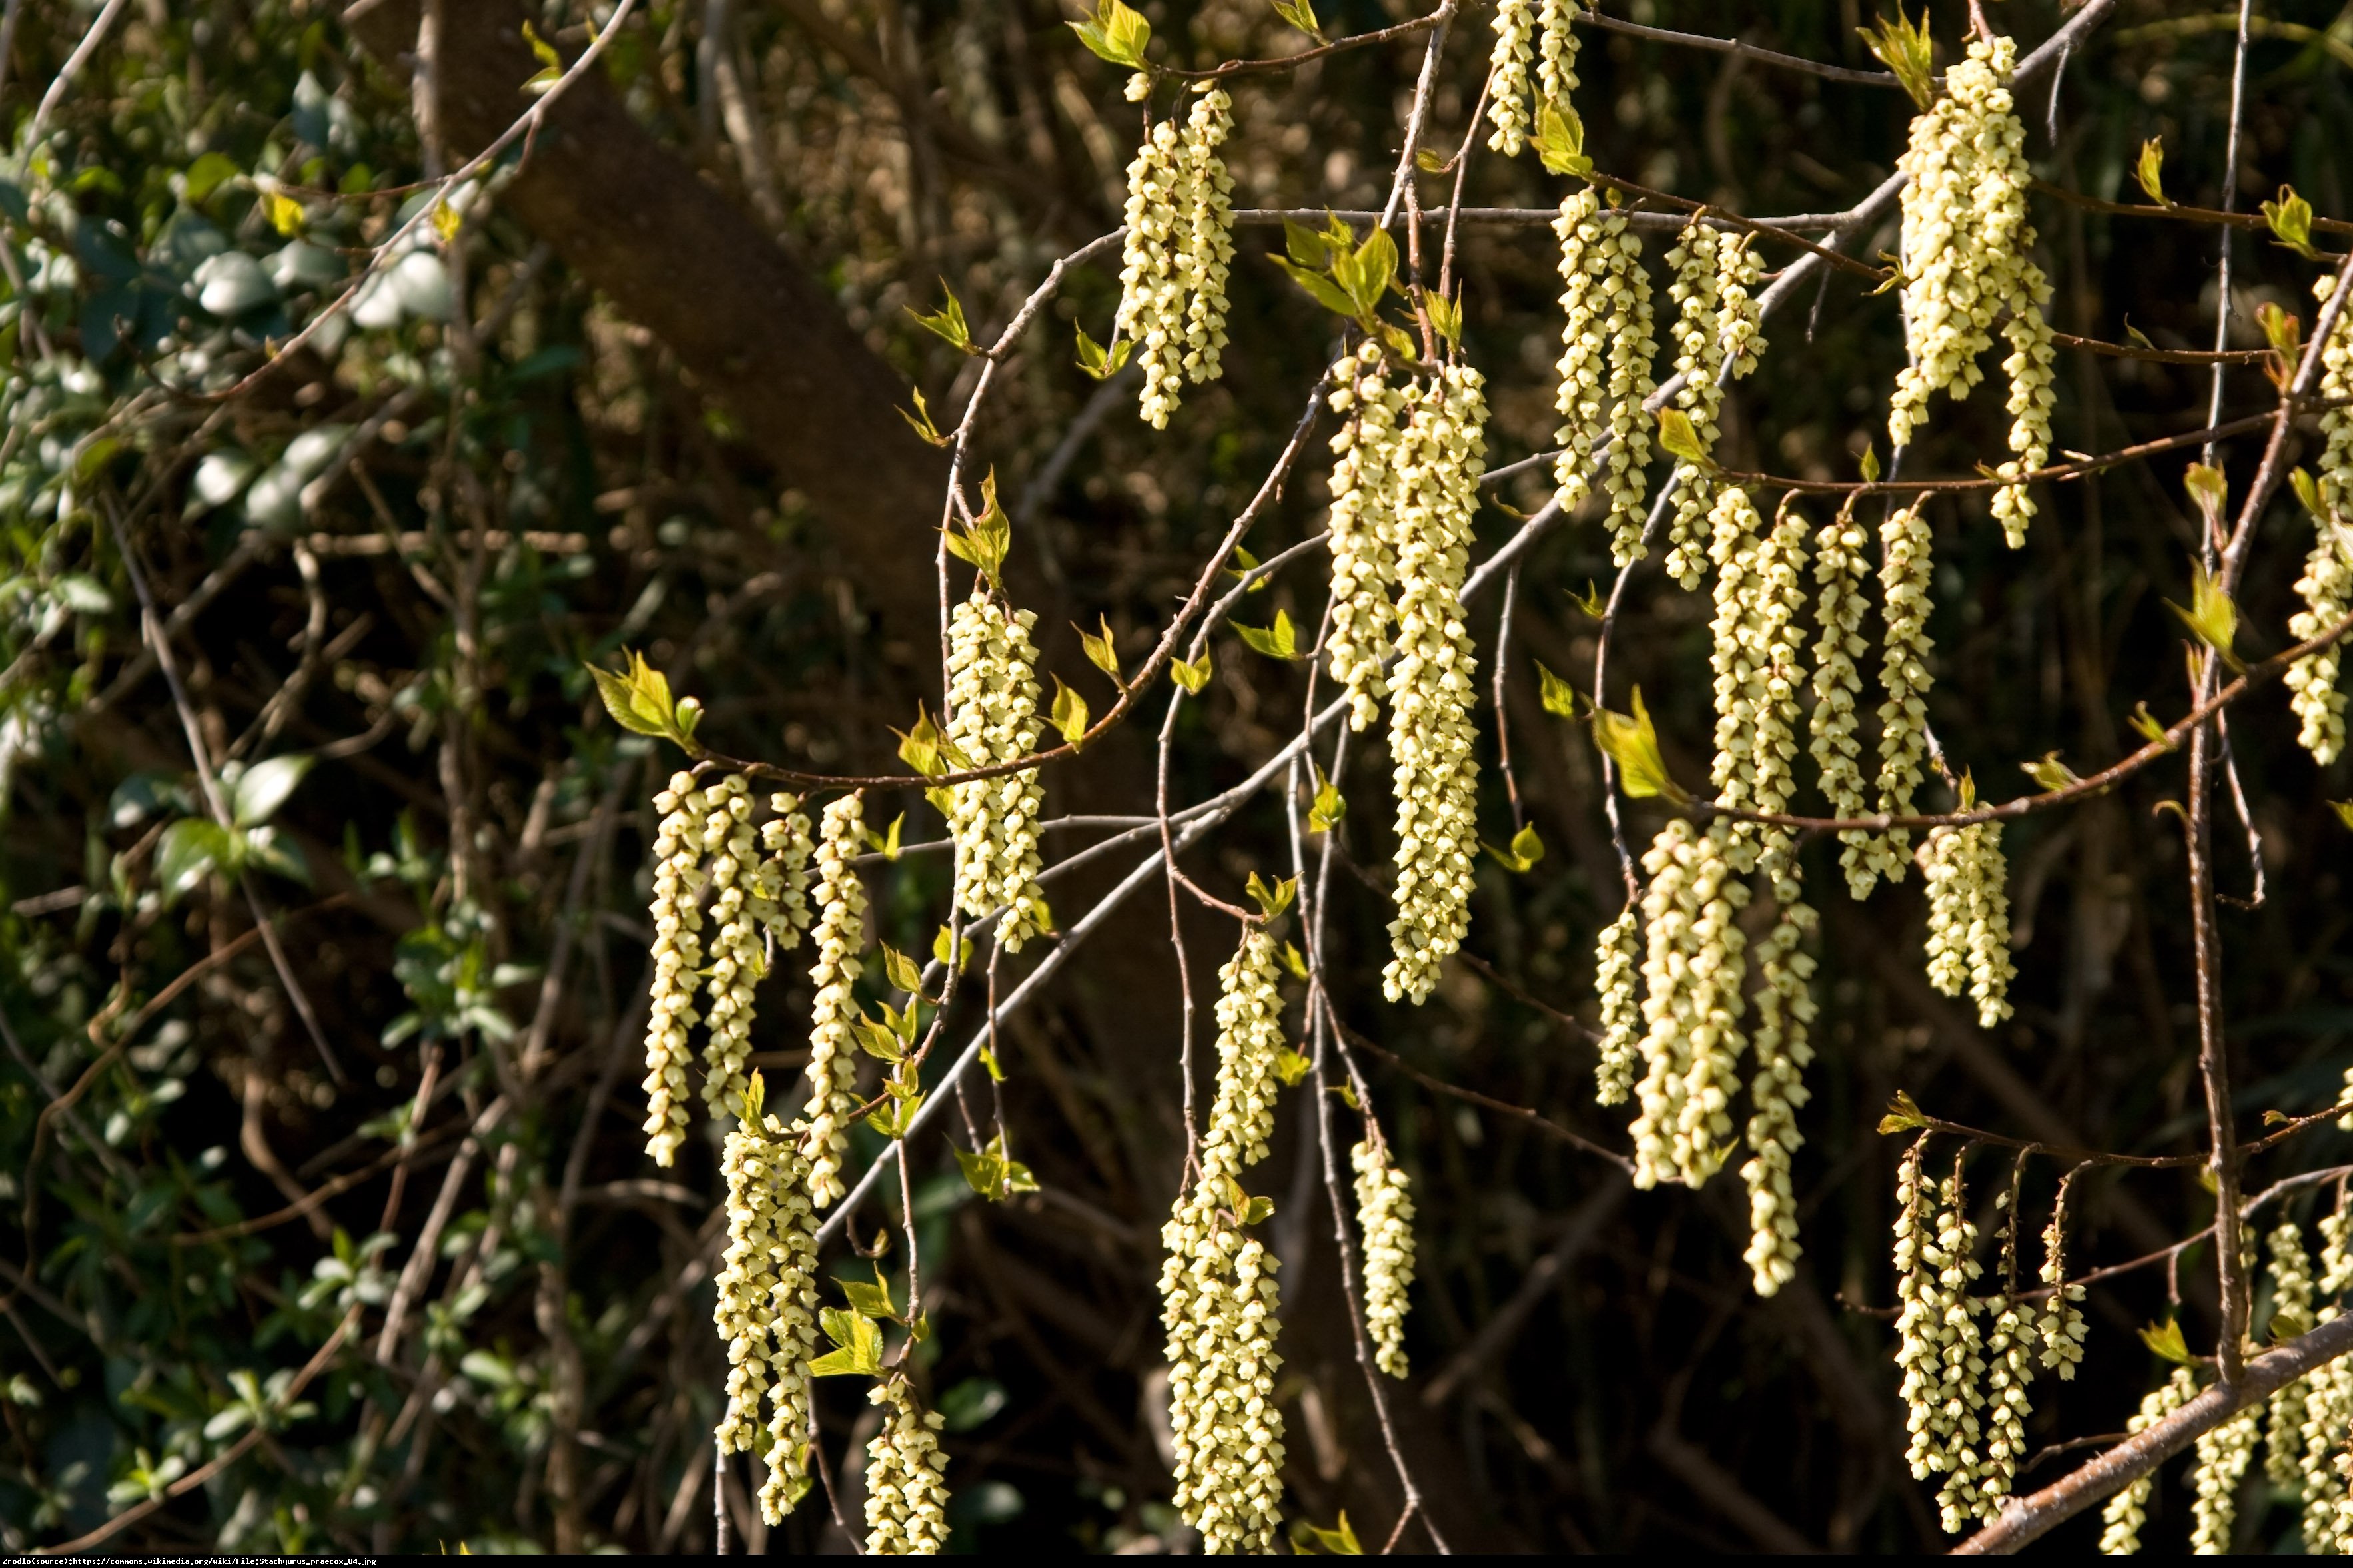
1300, 13
1069, 714
1100, 651
2208, 488
2165, 1339
887, 844
947, 321
942, 939
2145, 724
446, 221
1192, 677
2283, 330
1290, 1066
919, 747
639, 700
1527, 850
1869, 464
189, 851
262, 788
1325, 812
286, 214
1678, 439
872, 1300
1305, 247
1339, 1542
1559, 696
1365, 273
2211, 618
989, 1061
1902, 1116
2308, 492
880, 1041
1427, 160
2344, 810
1294, 960
2150, 171
922, 420
2290, 218
1560, 141
1247, 1209
1633, 744
1445, 319
942, 800
1907, 50
542, 50
2049, 771
1274, 900
903, 972
1098, 362
1280, 640
2137, 338
860, 1341
1115, 33
1246, 563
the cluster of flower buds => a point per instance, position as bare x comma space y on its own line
1178, 250
1526, 31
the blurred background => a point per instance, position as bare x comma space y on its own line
643, 395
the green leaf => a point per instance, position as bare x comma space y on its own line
1365, 272
1325, 812
1101, 652
922, 420
188, 852
947, 321
1098, 362
1247, 1209
756, 1097
2283, 330
2049, 771
1445, 319
1306, 248
2150, 171
2290, 218
919, 747
1633, 744
276, 853
2164, 1339
1300, 13
878, 1041
985, 539
1069, 714
1902, 1116
989, 1061
1272, 901
1115, 33
2137, 338
942, 800
903, 972
1192, 677
286, 214
639, 698
1248, 563
1427, 160
887, 844
1869, 464
1290, 1066
1280, 640
1527, 850
870, 1301
207, 174
1678, 439
942, 939
1339, 1542
993, 1174
2146, 725
542, 50
2308, 492
860, 1341
1559, 696
1322, 289
2211, 618
263, 789
1907, 50
2344, 810
1560, 141
1294, 960
2211, 489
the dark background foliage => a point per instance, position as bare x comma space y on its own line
460, 879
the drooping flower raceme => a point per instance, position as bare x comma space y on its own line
1151, 279
2326, 585
2291, 1272
1207, 251
840, 935
677, 958
2010, 1370
2223, 1455
1524, 28
993, 718
1969, 917
1216, 1283
1719, 336
1838, 687
1363, 531
1385, 1214
2327, 1410
1960, 1500
1904, 576
1691, 1006
1605, 364
906, 1495
737, 957
1617, 959
2061, 1328
2127, 1510
768, 1299
1439, 457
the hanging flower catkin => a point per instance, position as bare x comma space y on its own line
737, 959
1207, 250
2223, 1455
1920, 1320
1605, 364
1617, 959
2327, 1408
2009, 1371
993, 718
1958, 1500
1631, 349
1719, 336
1691, 1006
677, 958
2061, 1328
768, 1299
1152, 288
2127, 1510
1519, 25
1216, 1283
1904, 576
841, 934
1363, 531
1385, 1214
2326, 585
1969, 915
1431, 735
906, 1498
1838, 687
2291, 1272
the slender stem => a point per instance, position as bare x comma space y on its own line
2230, 202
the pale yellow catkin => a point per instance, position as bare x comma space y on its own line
1961, 1361
1905, 573
906, 1492
1617, 961
1969, 917
1719, 336
1362, 526
1691, 1006
1526, 29
1838, 688
1152, 285
2127, 1510
768, 1300
677, 958
1433, 685
2291, 1274
738, 956
1218, 1293
993, 719
840, 936
2223, 1455
1384, 1216
1207, 251
2326, 585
